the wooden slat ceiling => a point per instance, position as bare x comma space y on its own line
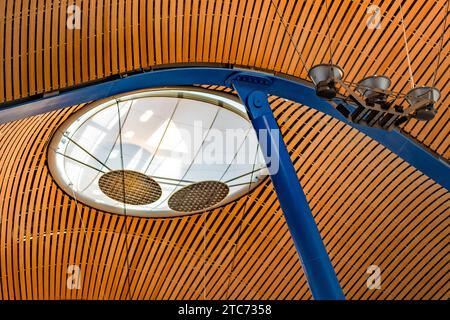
371, 207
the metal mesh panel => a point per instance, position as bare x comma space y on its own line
130, 187
198, 196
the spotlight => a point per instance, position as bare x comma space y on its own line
370, 99
422, 100
374, 88
324, 76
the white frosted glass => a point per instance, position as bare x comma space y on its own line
165, 137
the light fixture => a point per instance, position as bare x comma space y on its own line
158, 153
422, 100
324, 77
369, 102
374, 89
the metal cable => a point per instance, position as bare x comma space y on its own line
328, 33
243, 215
127, 249
290, 36
163, 135
438, 58
411, 77
77, 209
192, 162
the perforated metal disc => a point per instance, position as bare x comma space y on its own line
198, 196
130, 187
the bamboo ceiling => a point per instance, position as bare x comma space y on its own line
372, 208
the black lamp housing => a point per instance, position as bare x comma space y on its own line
324, 77
422, 100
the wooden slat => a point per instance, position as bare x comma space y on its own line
370, 206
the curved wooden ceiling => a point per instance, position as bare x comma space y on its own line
371, 207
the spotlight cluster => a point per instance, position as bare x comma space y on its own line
370, 102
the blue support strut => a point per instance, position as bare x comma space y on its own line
316, 264
301, 92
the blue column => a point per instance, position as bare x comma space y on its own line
316, 264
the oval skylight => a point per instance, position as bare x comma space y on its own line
176, 151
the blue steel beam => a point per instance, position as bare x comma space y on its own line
405, 148
316, 264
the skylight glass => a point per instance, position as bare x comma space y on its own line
161, 153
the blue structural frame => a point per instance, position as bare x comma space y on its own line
302, 92
253, 88
316, 264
